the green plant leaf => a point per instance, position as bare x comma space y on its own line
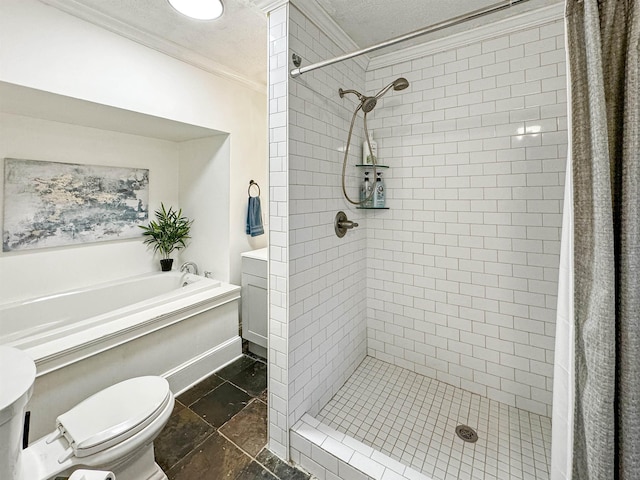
168, 232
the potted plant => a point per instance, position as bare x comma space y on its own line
167, 233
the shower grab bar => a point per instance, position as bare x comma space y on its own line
296, 72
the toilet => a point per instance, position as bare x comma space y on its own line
112, 430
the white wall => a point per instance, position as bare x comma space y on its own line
28, 273
43, 48
463, 268
204, 195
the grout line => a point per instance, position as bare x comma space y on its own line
217, 430
192, 450
238, 446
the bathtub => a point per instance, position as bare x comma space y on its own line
177, 325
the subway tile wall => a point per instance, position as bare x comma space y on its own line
278, 233
327, 274
462, 270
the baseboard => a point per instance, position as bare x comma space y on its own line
198, 368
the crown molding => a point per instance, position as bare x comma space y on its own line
314, 12
152, 41
269, 5
499, 28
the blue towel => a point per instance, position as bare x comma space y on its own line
254, 217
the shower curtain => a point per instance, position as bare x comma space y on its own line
603, 45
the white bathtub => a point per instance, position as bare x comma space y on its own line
180, 326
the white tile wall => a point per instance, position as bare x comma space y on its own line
317, 281
462, 270
327, 274
457, 280
278, 228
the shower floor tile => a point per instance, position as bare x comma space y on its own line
412, 419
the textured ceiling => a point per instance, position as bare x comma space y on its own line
369, 22
237, 41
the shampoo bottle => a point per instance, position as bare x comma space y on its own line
379, 195
368, 157
366, 199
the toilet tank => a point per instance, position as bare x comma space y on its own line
17, 375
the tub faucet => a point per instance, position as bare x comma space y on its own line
187, 266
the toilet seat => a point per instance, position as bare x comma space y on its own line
112, 415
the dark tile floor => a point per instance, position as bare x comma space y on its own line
218, 429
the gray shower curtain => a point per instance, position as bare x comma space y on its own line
603, 38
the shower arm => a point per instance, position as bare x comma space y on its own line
296, 72
355, 92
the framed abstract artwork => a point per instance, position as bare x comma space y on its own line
51, 204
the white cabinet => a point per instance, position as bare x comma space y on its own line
254, 300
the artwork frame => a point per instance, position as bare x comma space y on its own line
55, 204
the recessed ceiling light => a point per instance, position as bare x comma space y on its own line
199, 9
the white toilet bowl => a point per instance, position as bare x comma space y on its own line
111, 430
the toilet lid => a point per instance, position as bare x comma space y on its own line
114, 414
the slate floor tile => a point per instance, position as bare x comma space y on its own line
184, 431
222, 403
198, 391
264, 396
252, 379
282, 470
234, 400
216, 459
236, 367
255, 471
248, 429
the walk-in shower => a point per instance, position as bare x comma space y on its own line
439, 313
367, 104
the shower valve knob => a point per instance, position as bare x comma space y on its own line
341, 224
348, 224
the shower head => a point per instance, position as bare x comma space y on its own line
398, 84
368, 103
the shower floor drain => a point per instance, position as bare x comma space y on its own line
466, 433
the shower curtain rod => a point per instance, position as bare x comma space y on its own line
296, 72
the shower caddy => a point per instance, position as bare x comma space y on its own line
365, 165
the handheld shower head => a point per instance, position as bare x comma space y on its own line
398, 84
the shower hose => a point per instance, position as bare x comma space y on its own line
346, 154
